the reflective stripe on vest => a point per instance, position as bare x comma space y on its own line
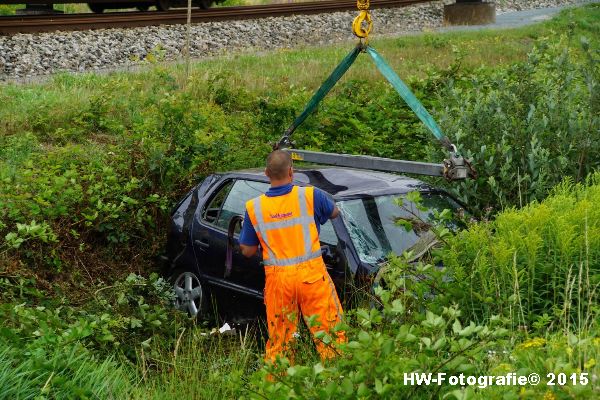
304, 220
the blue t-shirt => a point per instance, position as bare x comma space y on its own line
323, 205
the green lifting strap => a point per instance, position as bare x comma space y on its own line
335, 76
408, 97
389, 74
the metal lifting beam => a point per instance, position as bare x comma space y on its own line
454, 168
368, 162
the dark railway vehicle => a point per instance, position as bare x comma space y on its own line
99, 6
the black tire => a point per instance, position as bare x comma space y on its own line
96, 8
163, 5
204, 4
191, 294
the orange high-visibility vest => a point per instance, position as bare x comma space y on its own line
285, 226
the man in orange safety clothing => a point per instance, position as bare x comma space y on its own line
285, 222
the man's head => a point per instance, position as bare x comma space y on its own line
279, 167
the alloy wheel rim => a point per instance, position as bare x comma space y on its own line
188, 293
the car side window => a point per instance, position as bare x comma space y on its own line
235, 204
210, 214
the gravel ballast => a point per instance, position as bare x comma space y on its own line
30, 55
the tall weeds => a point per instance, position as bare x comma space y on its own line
539, 265
64, 373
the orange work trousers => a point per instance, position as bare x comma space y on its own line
307, 289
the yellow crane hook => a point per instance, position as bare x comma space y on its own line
362, 18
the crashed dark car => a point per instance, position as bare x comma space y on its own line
354, 245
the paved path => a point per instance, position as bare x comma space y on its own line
514, 19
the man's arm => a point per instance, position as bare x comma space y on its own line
248, 251
248, 239
325, 207
335, 213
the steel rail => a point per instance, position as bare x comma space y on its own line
72, 22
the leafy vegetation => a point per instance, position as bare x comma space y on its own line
547, 253
422, 324
519, 293
93, 162
103, 347
528, 126
90, 166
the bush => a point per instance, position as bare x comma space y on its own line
412, 332
119, 319
103, 172
356, 122
391, 341
89, 166
126, 341
527, 127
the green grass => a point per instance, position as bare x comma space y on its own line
91, 116
204, 367
413, 55
74, 123
62, 374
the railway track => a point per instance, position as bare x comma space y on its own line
73, 22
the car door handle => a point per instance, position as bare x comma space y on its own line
201, 243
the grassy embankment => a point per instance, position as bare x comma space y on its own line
90, 166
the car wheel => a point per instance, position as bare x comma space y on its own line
204, 4
191, 296
163, 5
96, 8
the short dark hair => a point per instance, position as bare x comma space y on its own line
278, 164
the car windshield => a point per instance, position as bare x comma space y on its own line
377, 225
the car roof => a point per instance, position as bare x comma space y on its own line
346, 182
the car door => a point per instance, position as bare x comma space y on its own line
210, 238
205, 232
247, 272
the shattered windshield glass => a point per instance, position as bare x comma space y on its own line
377, 225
